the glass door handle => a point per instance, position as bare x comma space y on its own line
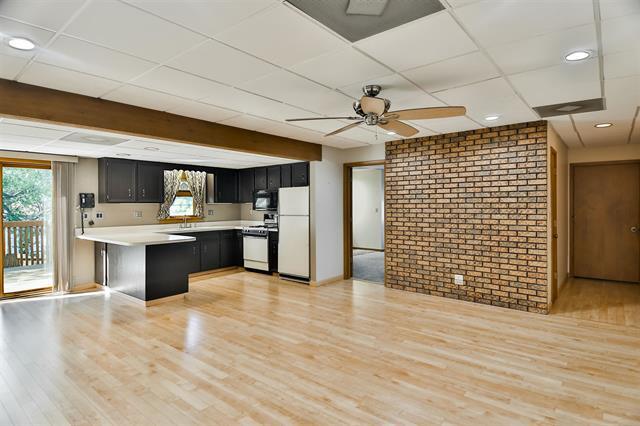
634, 229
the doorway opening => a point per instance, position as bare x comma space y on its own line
364, 221
26, 199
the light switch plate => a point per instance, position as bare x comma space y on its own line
458, 279
210, 212
137, 214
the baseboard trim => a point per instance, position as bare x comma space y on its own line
85, 287
199, 276
365, 248
164, 299
326, 281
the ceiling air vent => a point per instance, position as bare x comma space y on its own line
358, 19
576, 107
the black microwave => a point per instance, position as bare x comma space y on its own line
265, 200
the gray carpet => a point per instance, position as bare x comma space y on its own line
368, 265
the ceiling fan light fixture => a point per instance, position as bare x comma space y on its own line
603, 125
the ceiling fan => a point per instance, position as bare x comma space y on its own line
374, 111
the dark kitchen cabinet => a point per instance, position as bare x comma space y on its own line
100, 264
239, 249
285, 176
227, 248
193, 257
116, 180
273, 251
226, 186
210, 251
273, 177
245, 185
260, 178
150, 179
300, 174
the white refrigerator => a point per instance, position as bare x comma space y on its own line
293, 238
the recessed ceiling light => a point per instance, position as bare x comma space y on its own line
21, 43
151, 148
123, 154
578, 55
391, 133
603, 125
491, 117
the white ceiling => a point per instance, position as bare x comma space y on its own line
21, 135
253, 63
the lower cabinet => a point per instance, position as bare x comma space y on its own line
239, 248
273, 251
227, 248
210, 253
193, 258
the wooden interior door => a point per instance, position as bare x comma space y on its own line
606, 217
553, 162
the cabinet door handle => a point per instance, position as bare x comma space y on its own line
143, 192
129, 192
204, 248
194, 250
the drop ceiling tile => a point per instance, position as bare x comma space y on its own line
47, 14
295, 90
545, 50
421, 42
495, 22
322, 126
202, 111
78, 55
178, 83
66, 80
394, 87
293, 132
417, 100
341, 68
622, 64
221, 63
275, 35
142, 97
561, 83
42, 134
246, 121
459, 3
206, 17
364, 133
620, 34
563, 126
10, 66
615, 8
422, 131
122, 27
9, 29
622, 93
450, 125
492, 97
343, 143
617, 134
453, 72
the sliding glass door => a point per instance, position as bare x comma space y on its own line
26, 190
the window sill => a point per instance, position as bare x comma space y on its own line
180, 219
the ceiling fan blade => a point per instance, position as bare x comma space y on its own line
371, 105
342, 129
426, 113
323, 118
399, 128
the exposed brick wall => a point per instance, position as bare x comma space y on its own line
471, 203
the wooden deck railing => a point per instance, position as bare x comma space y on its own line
24, 243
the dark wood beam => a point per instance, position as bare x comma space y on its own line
24, 101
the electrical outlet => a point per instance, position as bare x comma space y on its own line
137, 214
458, 279
85, 215
99, 215
210, 212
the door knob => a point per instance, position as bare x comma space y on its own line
634, 229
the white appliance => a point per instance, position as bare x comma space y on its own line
255, 248
293, 236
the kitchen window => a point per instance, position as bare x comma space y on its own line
183, 204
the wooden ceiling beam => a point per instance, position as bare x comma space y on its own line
28, 102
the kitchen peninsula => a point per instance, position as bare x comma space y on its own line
152, 263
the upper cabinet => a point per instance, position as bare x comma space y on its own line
116, 180
285, 176
300, 174
150, 182
273, 177
226, 186
260, 178
245, 186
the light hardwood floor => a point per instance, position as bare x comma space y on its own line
597, 300
245, 349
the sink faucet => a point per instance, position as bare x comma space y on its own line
184, 224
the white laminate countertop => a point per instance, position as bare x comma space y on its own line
143, 235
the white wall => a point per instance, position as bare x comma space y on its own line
326, 207
605, 153
368, 208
